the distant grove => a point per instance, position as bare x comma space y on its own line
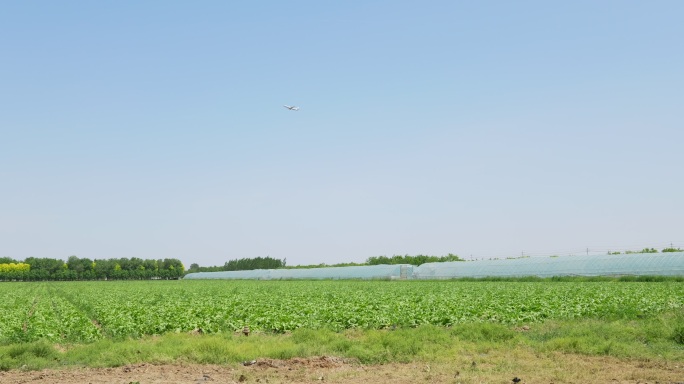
75, 268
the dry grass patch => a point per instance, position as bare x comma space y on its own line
495, 367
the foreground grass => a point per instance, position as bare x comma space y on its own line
658, 338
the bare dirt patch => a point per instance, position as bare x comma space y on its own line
555, 369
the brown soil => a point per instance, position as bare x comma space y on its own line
550, 369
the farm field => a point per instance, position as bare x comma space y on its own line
79, 312
480, 329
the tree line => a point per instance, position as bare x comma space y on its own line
413, 260
244, 264
75, 268
649, 250
247, 264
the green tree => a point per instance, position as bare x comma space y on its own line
7, 260
81, 267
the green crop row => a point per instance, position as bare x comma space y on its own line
87, 311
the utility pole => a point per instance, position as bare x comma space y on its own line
587, 251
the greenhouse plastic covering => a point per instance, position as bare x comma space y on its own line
584, 265
361, 272
671, 263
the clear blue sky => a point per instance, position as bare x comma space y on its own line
484, 128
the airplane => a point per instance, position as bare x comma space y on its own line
291, 108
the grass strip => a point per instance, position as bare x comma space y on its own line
653, 339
